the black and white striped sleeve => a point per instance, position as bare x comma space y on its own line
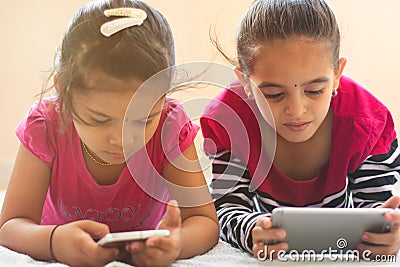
233, 201
372, 182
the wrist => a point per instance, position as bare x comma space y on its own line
52, 254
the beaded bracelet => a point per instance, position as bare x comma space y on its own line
53, 257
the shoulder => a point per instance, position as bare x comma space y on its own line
44, 114
47, 107
231, 106
175, 133
40, 129
230, 122
230, 99
172, 105
364, 122
174, 113
354, 100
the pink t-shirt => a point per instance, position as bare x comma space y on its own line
74, 194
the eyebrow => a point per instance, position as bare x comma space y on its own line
106, 116
97, 113
317, 80
150, 116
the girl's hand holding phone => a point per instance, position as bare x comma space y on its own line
160, 251
74, 245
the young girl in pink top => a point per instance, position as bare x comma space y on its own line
105, 154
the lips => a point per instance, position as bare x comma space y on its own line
116, 155
297, 127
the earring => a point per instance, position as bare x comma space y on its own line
249, 95
334, 93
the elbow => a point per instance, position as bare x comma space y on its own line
216, 231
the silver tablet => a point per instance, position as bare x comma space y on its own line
321, 229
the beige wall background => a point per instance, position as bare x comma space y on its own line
31, 30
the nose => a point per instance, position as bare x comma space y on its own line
115, 139
115, 135
295, 106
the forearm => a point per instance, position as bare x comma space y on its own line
233, 201
237, 225
199, 234
237, 216
371, 184
25, 236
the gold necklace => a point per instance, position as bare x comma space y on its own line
90, 156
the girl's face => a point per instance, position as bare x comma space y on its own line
103, 114
296, 78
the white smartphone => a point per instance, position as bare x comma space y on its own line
119, 239
323, 229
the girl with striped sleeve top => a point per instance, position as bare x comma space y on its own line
293, 131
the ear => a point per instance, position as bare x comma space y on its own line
338, 72
243, 80
239, 74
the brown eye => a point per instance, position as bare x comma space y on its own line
100, 121
313, 93
274, 96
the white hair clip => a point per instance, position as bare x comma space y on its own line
134, 17
126, 12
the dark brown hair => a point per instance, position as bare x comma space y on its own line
87, 60
269, 20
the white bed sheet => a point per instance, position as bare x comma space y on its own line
221, 255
